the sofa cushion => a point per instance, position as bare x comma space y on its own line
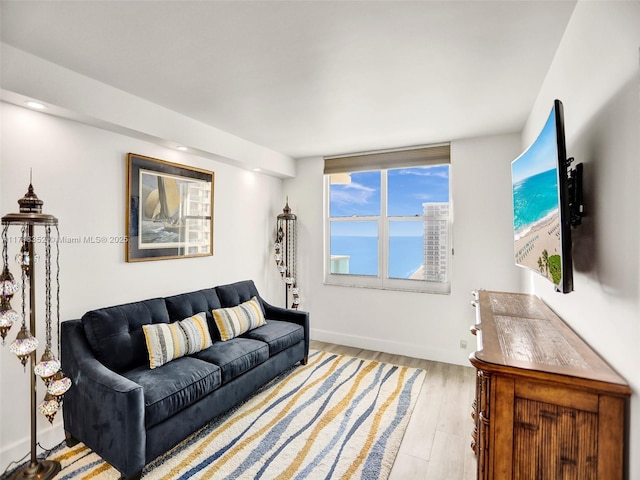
115, 333
235, 293
234, 321
168, 341
176, 385
186, 304
235, 356
278, 335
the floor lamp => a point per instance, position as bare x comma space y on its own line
285, 256
24, 346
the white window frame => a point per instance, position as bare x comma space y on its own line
382, 280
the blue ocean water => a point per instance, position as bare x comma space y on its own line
534, 198
406, 254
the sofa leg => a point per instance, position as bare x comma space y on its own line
135, 476
70, 440
305, 360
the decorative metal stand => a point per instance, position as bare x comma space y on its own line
285, 256
25, 344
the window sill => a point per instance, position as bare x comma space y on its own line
374, 283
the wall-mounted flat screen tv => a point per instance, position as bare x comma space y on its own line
542, 184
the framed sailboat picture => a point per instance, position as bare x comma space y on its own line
169, 210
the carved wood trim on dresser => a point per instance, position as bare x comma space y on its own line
547, 406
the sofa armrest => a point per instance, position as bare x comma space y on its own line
102, 409
295, 316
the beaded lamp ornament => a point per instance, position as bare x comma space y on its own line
285, 254
25, 344
8, 288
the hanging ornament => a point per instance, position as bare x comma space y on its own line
278, 248
8, 317
23, 259
59, 385
49, 407
23, 345
296, 298
47, 366
8, 285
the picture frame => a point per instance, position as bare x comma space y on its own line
169, 210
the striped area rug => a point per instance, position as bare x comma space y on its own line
338, 417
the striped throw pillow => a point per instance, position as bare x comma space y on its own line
168, 341
234, 321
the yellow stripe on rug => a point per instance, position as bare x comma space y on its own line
78, 449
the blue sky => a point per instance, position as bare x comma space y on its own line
408, 189
541, 156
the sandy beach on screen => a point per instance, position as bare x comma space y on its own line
545, 236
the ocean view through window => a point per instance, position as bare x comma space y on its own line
389, 228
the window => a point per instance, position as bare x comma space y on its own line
388, 220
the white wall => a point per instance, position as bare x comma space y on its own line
80, 173
596, 75
416, 324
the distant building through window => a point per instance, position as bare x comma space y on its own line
436, 241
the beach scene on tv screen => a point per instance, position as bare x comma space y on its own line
536, 213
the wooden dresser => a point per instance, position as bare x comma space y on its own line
547, 406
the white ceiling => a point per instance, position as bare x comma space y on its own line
310, 77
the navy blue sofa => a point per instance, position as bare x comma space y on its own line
130, 414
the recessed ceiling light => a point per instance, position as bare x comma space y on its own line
182, 148
256, 169
35, 105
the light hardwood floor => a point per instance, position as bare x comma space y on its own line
436, 445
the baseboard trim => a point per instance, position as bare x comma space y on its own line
20, 451
394, 348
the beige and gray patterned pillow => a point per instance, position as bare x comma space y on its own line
168, 341
234, 321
